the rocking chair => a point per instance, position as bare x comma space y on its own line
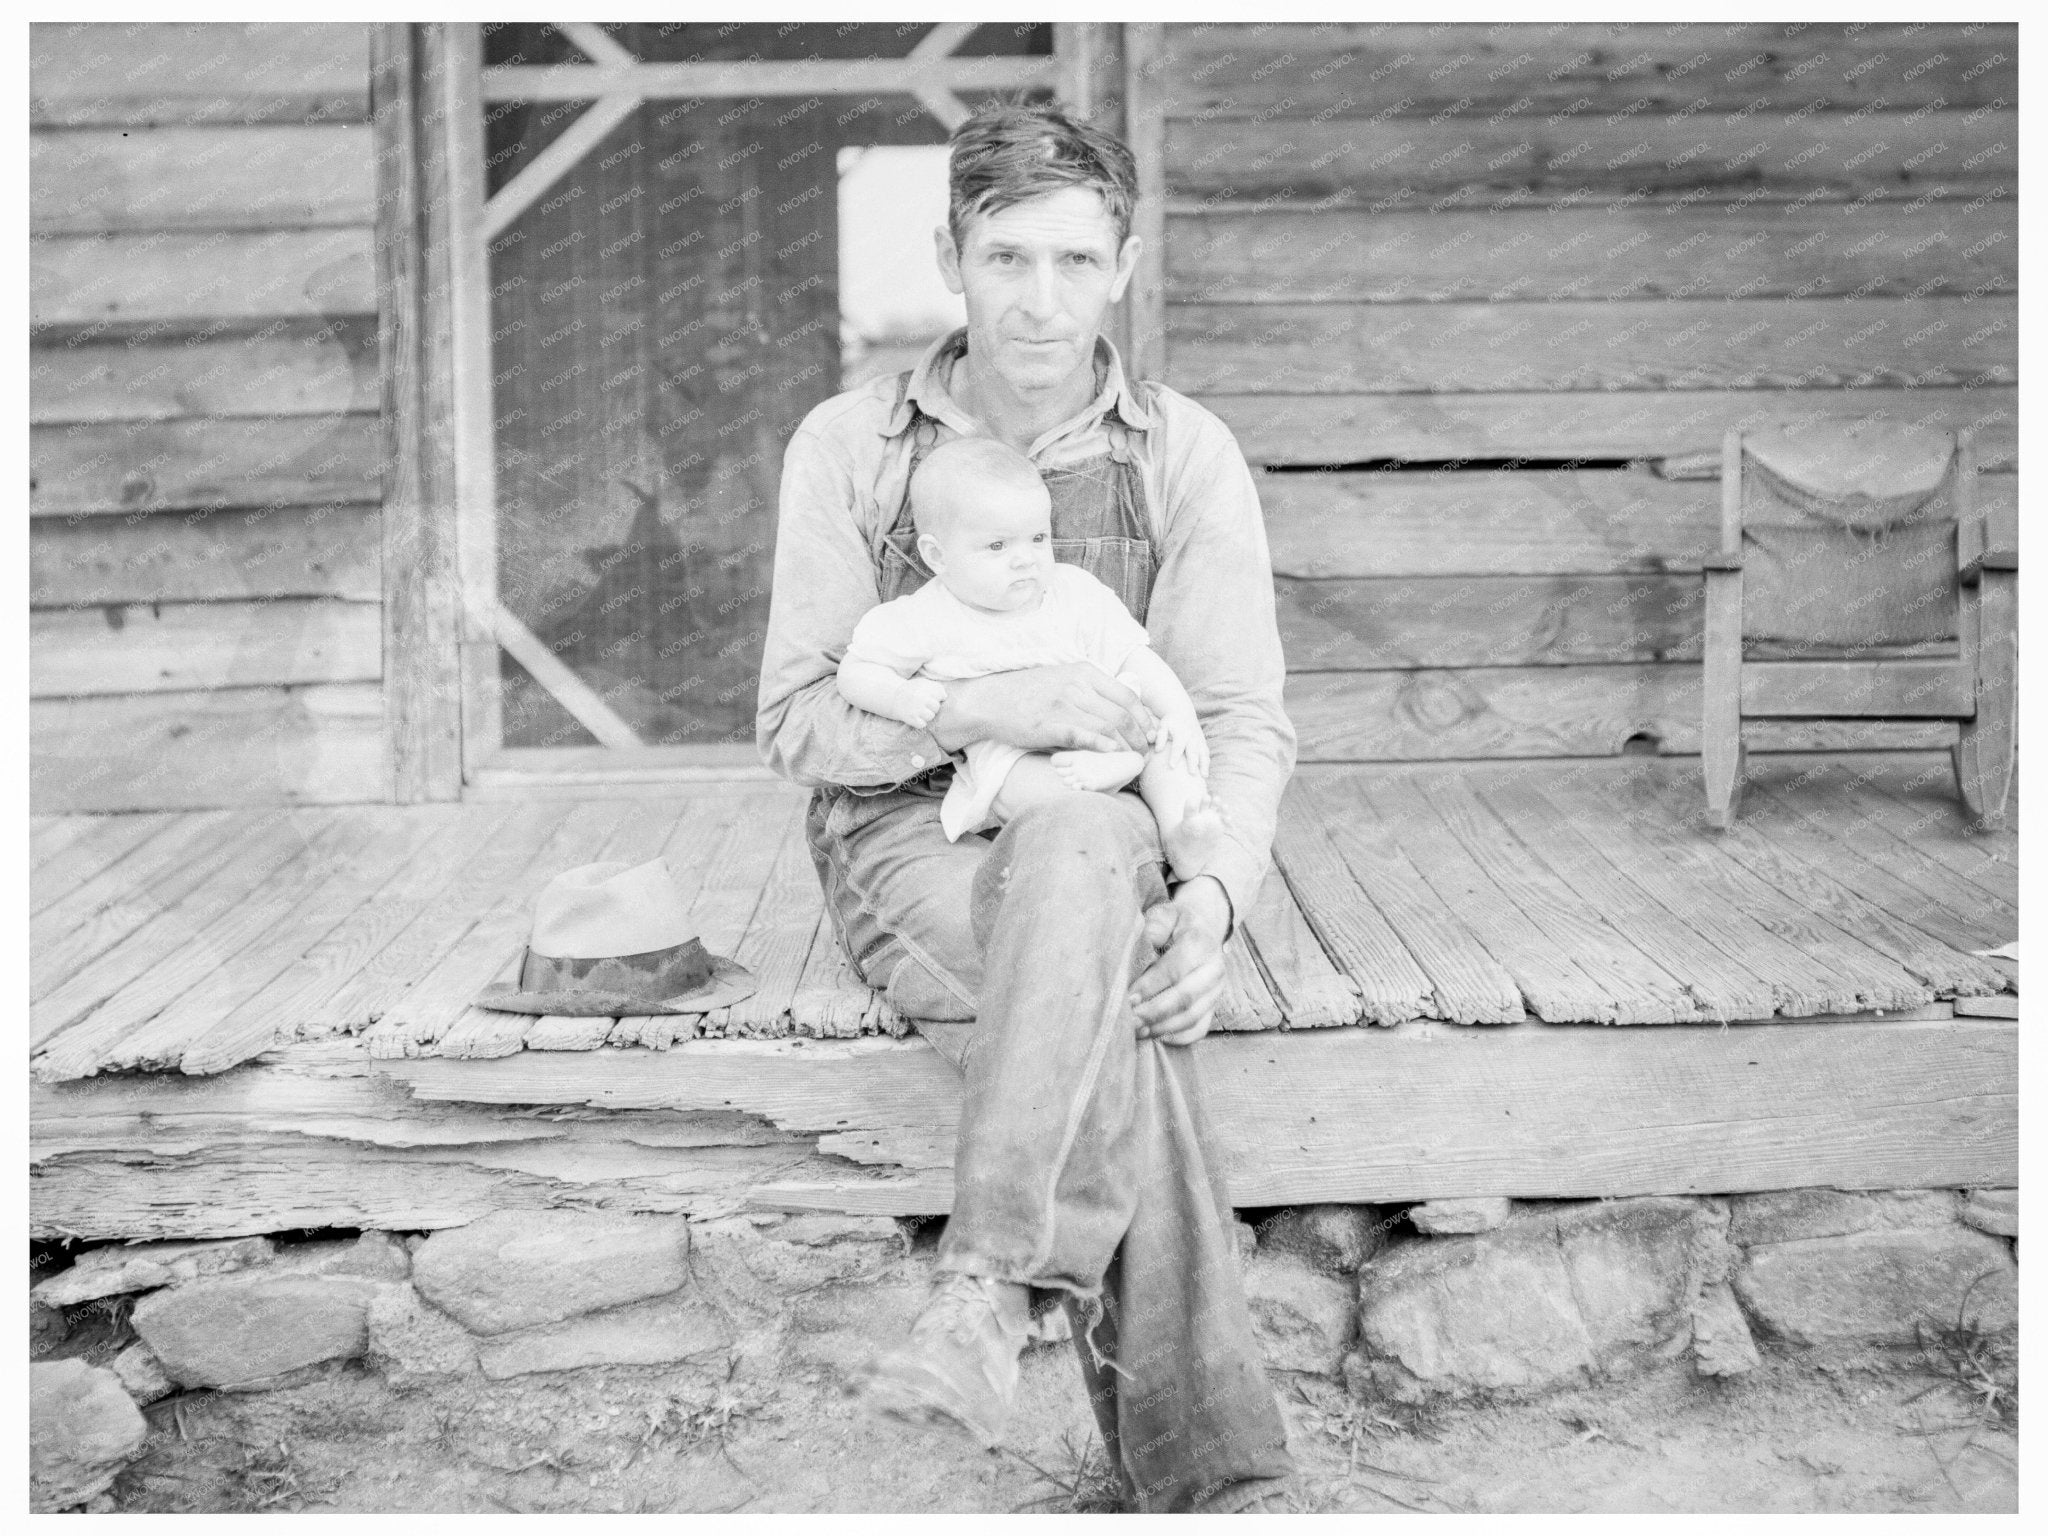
1854, 581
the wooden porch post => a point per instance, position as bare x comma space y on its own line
1145, 132
422, 686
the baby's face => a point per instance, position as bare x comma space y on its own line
996, 552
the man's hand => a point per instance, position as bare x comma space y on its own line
1175, 996
1076, 707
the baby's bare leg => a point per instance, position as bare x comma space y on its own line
1189, 825
1032, 780
1104, 772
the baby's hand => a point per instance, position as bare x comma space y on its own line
1180, 737
918, 700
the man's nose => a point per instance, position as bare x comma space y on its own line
1041, 293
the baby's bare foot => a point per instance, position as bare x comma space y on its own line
1191, 844
1102, 772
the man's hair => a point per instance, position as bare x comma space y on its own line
953, 473
1005, 153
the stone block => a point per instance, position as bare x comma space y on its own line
118, 1270
410, 1341
1244, 1239
46, 1328
1996, 1211
83, 1429
666, 1330
1562, 1293
519, 1269
1480, 1213
1721, 1342
1788, 1215
1871, 1288
1334, 1238
246, 1330
141, 1374
802, 1252
1303, 1318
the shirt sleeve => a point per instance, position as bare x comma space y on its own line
1212, 620
824, 581
890, 635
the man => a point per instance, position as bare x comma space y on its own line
1083, 1166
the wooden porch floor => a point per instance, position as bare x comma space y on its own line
1586, 892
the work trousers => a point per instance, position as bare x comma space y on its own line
1083, 1164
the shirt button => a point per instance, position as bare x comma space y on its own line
916, 762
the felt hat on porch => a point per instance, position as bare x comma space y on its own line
614, 939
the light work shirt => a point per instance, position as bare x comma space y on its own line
1210, 616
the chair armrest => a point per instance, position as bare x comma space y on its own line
1990, 560
1716, 561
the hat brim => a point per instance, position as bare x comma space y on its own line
729, 983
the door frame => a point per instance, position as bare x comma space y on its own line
444, 623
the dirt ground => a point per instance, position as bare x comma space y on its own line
1787, 1437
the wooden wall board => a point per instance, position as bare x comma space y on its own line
80, 281
285, 368
1810, 910
1487, 712
1448, 521
1618, 424
1578, 345
150, 74
1418, 69
201, 557
1356, 161
319, 744
203, 463
1469, 984
289, 176
175, 647
1657, 248
1486, 621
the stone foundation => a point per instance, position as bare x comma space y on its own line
1448, 1300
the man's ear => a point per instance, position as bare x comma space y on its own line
1126, 266
949, 258
934, 556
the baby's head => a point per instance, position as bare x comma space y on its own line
984, 523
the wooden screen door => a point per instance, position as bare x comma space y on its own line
640, 225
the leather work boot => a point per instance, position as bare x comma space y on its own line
959, 1365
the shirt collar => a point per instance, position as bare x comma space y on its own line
927, 389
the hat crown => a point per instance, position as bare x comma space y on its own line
605, 910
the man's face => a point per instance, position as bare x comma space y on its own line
1038, 276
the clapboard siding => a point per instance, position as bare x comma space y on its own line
108, 180
206, 557
1433, 261
206, 576
1704, 344
1417, 69
1448, 522
175, 647
187, 279
228, 746
203, 462
1614, 424
157, 74
1645, 250
1396, 162
284, 368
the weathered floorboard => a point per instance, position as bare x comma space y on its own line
1392, 986
1312, 992
92, 856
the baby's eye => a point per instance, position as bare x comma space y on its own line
1040, 538
998, 544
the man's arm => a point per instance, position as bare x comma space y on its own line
824, 580
1212, 620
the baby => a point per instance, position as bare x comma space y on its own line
1000, 602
